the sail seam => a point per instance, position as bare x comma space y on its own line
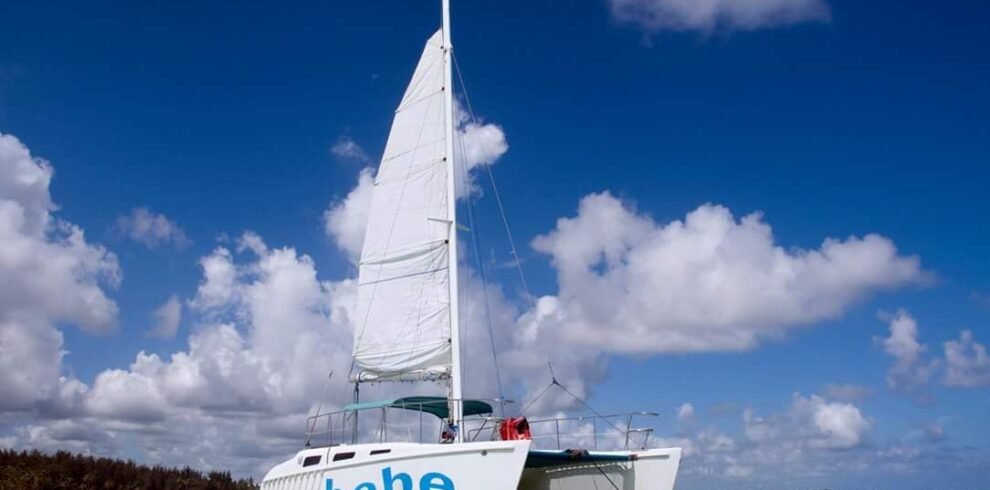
380, 281
417, 100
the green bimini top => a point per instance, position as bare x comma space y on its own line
437, 405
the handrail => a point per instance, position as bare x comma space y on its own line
625, 432
337, 427
588, 417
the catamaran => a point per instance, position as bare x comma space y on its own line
407, 329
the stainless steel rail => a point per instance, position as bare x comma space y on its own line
597, 431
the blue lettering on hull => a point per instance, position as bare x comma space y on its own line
402, 481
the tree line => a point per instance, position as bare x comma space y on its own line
35, 470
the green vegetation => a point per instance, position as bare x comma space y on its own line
63, 470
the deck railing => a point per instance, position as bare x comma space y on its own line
598, 431
381, 424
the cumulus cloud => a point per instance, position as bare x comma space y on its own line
809, 437
266, 334
151, 229
708, 15
348, 149
345, 220
910, 371
966, 362
478, 143
166, 319
707, 283
66, 435
814, 422
809, 443
30, 363
51, 274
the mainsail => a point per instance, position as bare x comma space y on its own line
402, 320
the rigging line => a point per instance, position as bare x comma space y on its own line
600, 470
483, 276
544, 392
589, 407
498, 197
516, 258
319, 408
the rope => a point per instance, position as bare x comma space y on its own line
554, 382
498, 198
477, 252
319, 408
530, 404
600, 470
586, 405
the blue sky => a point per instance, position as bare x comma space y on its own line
838, 119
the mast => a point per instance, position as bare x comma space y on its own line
455, 403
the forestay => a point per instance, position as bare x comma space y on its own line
402, 320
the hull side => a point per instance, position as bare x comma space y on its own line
495, 465
646, 470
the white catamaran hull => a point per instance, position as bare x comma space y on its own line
645, 470
495, 465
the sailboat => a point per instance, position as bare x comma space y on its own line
408, 330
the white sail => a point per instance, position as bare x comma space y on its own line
402, 319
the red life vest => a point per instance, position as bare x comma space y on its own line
514, 429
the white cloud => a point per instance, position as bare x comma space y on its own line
966, 361
266, 334
348, 149
707, 283
708, 15
217, 289
66, 435
812, 422
478, 143
30, 363
484, 143
167, 318
345, 220
911, 371
812, 436
685, 412
841, 424
24, 180
126, 395
51, 274
151, 229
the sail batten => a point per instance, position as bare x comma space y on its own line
403, 325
